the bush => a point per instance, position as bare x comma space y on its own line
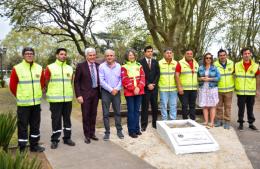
18, 161
7, 128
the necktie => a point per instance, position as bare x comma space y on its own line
149, 63
93, 76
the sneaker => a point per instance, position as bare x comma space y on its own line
106, 137
37, 148
251, 126
218, 123
69, 142
226, 125
120, 135
240, 127
54, 145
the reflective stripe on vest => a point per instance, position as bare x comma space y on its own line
133, 71
167, 82
245, 82
29, 91
59, 86
189, 80
226, 82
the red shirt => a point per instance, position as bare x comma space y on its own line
247, 65
47, 74
178, 67
14, 81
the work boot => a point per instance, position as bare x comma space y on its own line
69, 142
54, 145
37, 148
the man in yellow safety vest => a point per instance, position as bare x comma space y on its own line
247, 86
187, 84
26, 84
58, 78
167, 85
225, 89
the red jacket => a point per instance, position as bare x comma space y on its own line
128, 83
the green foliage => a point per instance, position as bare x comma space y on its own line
44, 46
7, 128
17, 161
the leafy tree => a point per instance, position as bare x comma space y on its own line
74, 19
44, 47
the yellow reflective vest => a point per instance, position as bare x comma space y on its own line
245, 83
59, 86
167, 71
29, 91
188, 77
226, 82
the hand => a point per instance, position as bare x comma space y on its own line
151, 86
80, 100
257, 93
136, 91
114, 92
180, 91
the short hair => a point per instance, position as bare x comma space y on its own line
221, 50
188, 49
110, 50
89, 50
59, 50
167, 49
128, 52
204, 58
148, 47
28, 49
245, 49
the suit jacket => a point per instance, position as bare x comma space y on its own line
82, 80
151, 75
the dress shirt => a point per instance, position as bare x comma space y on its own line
110, 76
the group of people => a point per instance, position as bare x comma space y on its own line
211, 84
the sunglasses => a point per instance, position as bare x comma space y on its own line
208, 58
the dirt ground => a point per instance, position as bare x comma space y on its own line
153, 150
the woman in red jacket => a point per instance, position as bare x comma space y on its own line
133, 81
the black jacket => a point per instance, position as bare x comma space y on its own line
151, 75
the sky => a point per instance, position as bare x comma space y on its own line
5, 27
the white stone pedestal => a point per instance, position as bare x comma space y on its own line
186, 136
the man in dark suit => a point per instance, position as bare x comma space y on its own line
152, 74
87, 92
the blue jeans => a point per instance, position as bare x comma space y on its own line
133, 106
171, 98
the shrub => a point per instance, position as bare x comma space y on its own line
7, 129
17, 161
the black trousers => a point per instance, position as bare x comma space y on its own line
149, 97
188, 100
60, 111
248, 101
107, 99
28, 115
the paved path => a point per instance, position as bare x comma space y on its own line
250, 139
97, 155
